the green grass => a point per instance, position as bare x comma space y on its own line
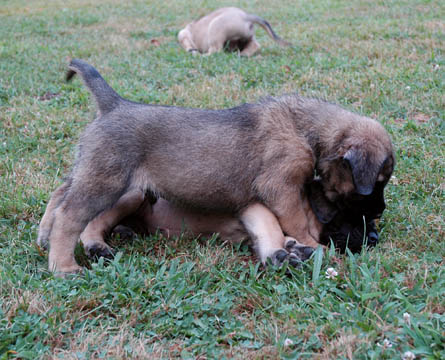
203, 299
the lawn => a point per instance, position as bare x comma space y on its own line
203, 299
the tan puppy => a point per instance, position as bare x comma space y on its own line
215, 160
345, 226
229, 28
259, 225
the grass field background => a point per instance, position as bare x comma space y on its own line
203, 299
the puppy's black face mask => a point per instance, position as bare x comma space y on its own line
347, 222
371, 206
370, 179
348, 234
235, 45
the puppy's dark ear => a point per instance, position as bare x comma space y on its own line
364, 170
322, 207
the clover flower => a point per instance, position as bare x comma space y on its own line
288, 342
407, 318
331, 273
408, 355
386, 344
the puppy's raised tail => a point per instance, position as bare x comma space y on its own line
266, 26
106, 98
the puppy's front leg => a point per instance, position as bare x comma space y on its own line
216, 39
268, 239
315, 226
290, 209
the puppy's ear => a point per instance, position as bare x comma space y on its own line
322, 207
364, 170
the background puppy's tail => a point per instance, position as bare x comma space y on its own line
266, 26
106, 98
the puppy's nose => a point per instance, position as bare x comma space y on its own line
373, 238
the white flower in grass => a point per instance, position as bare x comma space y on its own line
408, 355
331, 273
408, 87
386, 344
407, 318
288, 342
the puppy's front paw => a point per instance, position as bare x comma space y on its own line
98, 250
279, 257
302, 252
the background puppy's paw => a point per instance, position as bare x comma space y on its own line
42, 240
98, 250
69, 273
124, 232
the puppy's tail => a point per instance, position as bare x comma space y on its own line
266, 26
106, 98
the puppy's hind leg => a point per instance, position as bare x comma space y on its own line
47, 220
93, 236
185, 39
251, 48
88, 196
